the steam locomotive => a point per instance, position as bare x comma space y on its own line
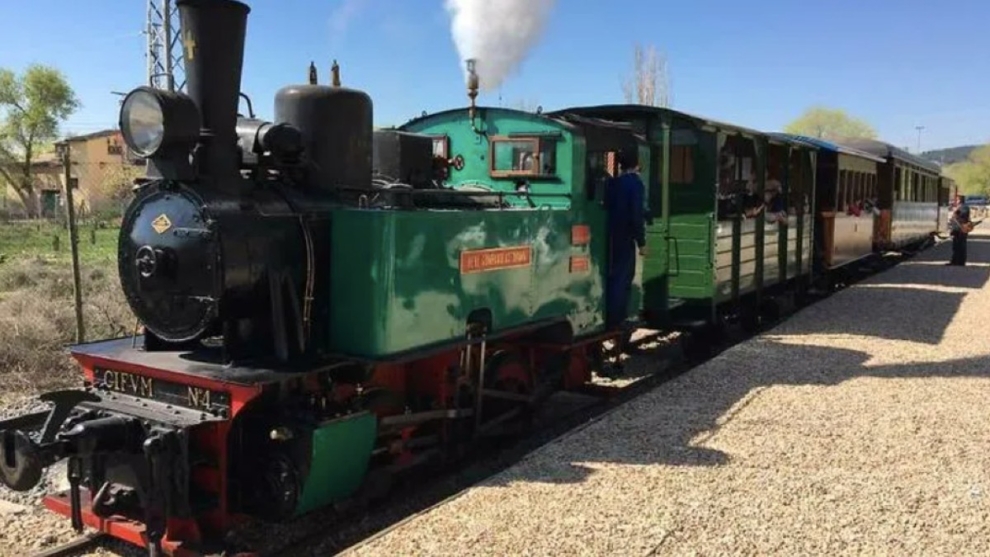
325, 306
311, 328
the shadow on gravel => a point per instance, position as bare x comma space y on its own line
667, 425
936, 274
880, 311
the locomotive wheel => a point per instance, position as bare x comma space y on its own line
279, 487
507, 371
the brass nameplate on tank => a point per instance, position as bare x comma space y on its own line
482, 260
168, 392
161, 223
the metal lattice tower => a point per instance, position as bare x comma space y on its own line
165, 66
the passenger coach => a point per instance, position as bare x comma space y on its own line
907, 195
735, 208
846, 197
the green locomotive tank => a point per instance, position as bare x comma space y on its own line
533, 252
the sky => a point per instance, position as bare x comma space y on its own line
898, 64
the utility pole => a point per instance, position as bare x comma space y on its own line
65, 151
166, 69
919, 128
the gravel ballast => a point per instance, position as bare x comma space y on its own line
857, 426
25, 526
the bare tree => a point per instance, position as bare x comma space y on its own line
525, 105
649, 83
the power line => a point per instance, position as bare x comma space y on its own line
166, 69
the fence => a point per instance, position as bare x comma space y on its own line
101, 191
74, 264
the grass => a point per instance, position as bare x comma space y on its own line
47, 240
37, 315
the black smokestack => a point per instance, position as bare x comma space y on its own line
213, 48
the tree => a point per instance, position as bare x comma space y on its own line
830, 123
31, 109
111, 189
649, 83
973, 174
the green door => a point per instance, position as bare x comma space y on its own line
49, 203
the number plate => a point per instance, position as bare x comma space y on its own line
169, 392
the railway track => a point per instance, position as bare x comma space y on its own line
334, 530
417, 496
77, 546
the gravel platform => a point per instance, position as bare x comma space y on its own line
859, 425
845, 429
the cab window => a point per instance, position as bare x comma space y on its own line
441, 146
523, 157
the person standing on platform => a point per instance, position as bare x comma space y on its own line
960, 227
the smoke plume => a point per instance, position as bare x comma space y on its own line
497, 33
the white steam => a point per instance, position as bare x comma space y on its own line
496, 33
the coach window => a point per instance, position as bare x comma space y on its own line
682, 144
840, 204
531, 156
898, 184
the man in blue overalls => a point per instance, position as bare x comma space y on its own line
626, 232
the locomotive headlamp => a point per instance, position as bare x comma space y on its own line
153, 120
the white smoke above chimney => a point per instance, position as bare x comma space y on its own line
498, 34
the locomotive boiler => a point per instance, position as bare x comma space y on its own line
226, 400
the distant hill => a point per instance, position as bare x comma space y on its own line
950, 155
